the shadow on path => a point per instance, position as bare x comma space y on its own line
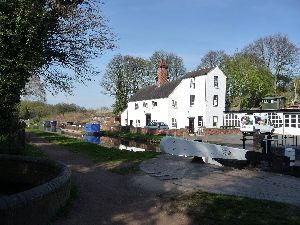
109, 198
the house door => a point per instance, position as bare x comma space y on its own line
191, 125
148, 118
131, 123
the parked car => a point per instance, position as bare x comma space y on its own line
157, 125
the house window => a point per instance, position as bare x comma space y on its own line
174, 104
174, 122
192, 83
137, 123
215, 100
216, 82
215, 121
275, 119
192, 100
200, 121
145, 104
154, 103
136, 105
286, 120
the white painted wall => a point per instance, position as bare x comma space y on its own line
203, 105
158, 113
212, 110
182, 95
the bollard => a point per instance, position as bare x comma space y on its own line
257, 140
290, 152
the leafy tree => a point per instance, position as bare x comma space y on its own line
52, 39
279, 54
247, 81
123, 77
174, 62
212, 59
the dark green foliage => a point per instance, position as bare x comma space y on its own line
248, 80
37, 38
209, 209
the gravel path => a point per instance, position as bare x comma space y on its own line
109, 198
248, 183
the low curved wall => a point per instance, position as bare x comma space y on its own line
51, 183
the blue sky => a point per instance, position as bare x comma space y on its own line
189, 28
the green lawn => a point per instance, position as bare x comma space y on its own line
134, 136
215, 209
31, 150
113, 159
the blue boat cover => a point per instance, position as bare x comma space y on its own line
92, 139
92, 127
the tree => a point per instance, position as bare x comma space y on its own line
279, 54
212, 59
34, 90
123, 77
247, 81
50, 39
174, 62
296, 87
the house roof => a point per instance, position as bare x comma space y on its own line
155, 92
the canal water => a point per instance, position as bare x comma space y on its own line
129, 145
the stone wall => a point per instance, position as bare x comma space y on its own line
173, 132
51, 181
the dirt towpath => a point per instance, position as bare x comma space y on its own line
109, 198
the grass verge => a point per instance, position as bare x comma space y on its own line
31, 150
134, 136
111, 158
210, 209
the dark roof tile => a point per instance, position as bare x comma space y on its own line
155, 92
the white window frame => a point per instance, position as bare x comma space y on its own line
192, 102
193, 83
215, 100
216, 82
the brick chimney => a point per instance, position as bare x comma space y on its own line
162, 74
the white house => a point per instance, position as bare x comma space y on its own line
195, 100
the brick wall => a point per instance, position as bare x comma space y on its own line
217, 131
174, 132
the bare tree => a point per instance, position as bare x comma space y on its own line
174, 62
34, 90
279, 54
212, 59
123, 77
